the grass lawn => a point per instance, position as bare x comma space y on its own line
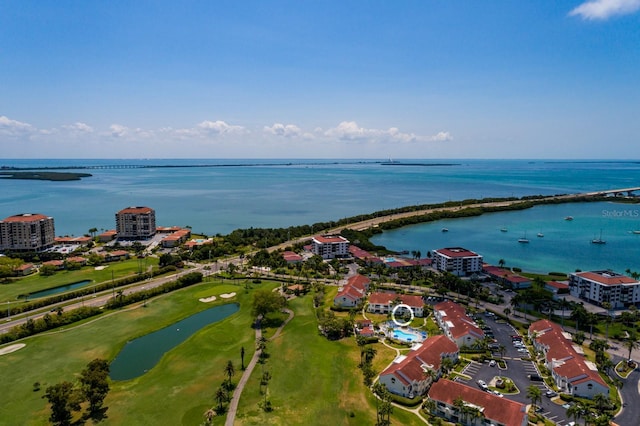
176, 391
314, 380
37, 282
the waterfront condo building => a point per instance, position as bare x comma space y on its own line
136, 223
330, 246
599, 287
457, 260
27, 232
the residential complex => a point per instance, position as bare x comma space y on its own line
492, 409
27, 232
330, 246
600, 287
506, 278
136, 223
383, 303
411, 374
353, 292
457, 260
572, 373
455, 323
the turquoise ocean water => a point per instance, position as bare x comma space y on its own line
279, 193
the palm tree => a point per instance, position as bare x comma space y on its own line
575, 411
446, 365
563, 303
458, 404
242, 357
220, 397
501, 263
208, 416
601, 401
229, 370
607, 306
507, 312
535, 394
631, 343
369, 353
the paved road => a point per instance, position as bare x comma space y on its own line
233, 405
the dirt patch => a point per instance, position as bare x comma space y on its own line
12, 348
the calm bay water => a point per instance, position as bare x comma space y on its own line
280, 193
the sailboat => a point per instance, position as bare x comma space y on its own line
540, 235
598, 240
524, 239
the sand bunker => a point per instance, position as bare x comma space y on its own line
208, 299
100, 268
227, 295
12, 348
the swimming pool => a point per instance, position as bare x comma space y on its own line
408, 335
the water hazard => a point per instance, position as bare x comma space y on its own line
56, 290
140, 355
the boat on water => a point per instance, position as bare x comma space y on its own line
568, 218
503, 229
524, 239
445, 229
636, 231
540, 235
598, 240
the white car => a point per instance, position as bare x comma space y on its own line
498, 394
482, 384
492, 363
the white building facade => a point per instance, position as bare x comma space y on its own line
457, 260
599, 287
330, 246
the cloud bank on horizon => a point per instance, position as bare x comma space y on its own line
209, 132
320, 80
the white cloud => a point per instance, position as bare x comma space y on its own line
441, 137
604, 9
118, 130
287, 131
78, 127
350, 131
11, 127
220, 127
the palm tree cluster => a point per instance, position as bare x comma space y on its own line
383, 405
466, 412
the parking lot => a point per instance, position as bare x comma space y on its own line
518, 370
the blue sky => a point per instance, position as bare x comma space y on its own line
321, 79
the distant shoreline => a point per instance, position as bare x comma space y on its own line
51, 176
4, 169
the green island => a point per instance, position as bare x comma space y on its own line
52, 176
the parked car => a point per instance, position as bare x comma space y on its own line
535, 378
492, 363
550, 394
482, 384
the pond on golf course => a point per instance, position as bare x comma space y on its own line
140, 355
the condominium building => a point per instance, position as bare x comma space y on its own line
490, 409
457, 260
330, 246
27, 232
570, 370
409, 376
136, 223
600, 287
456, 324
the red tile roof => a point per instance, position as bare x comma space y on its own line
559, 348
429, 354
613, 279
326, 239
386, 298
494, 408
456, 252
26, 217
556, 284
456, 315
136, 210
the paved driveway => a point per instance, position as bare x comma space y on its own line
517, 370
